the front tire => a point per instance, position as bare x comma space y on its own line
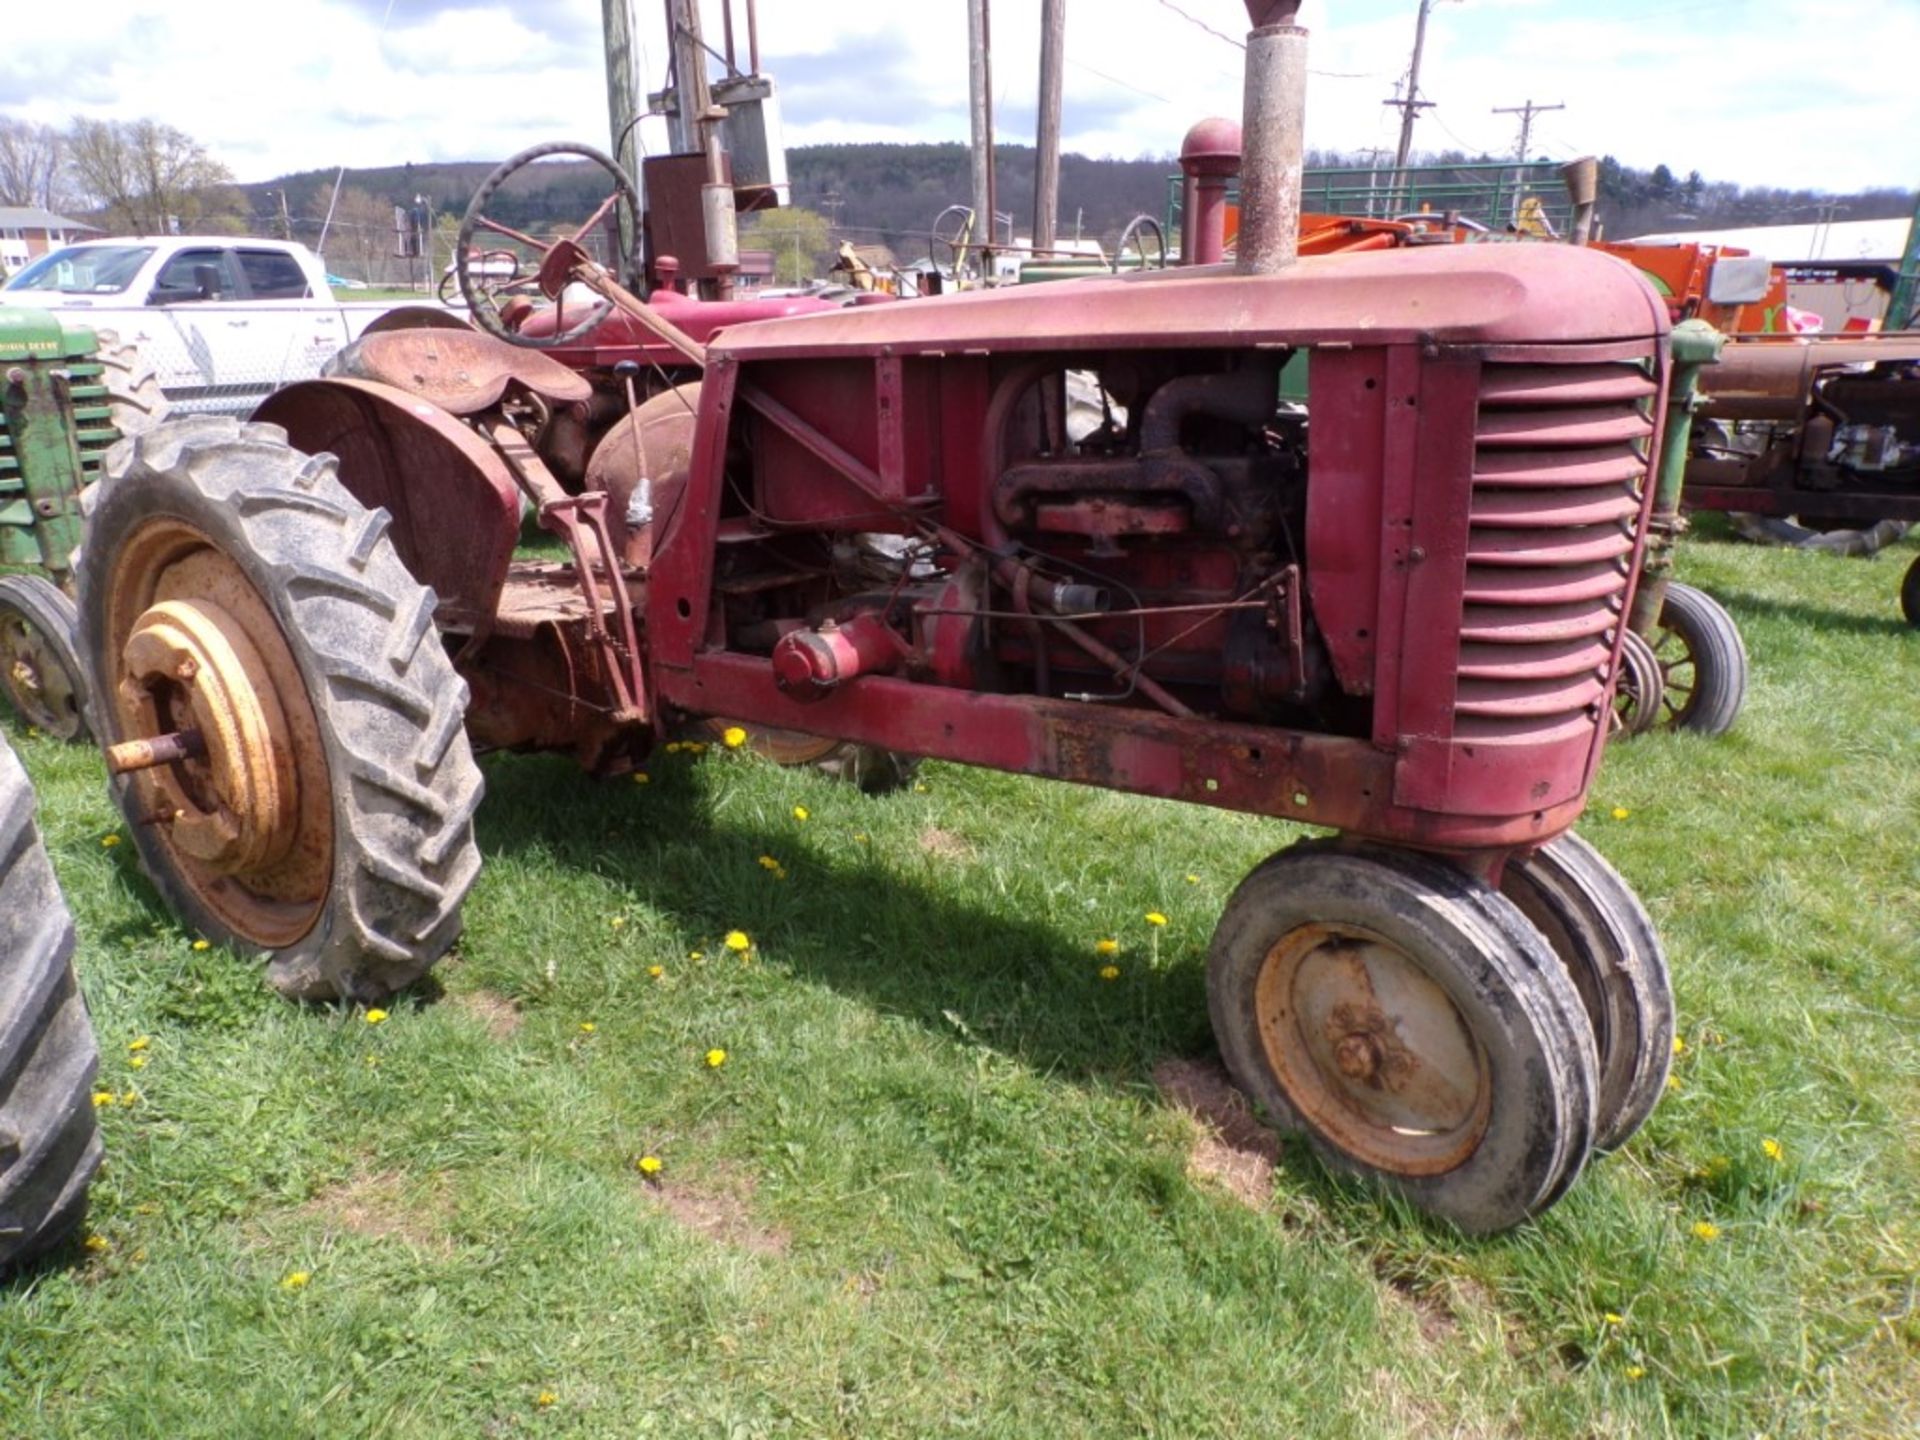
49, 1138
233, 588
1410, 1023
40, 672
1702, 661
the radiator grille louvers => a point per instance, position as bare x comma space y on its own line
1560, 468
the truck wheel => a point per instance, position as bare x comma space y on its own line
872, 769
1411, 1023
40, 672
233, 593
1812, 532
1641, 688
134, 400
49, 1139
1910, 594
1606, 941
1702, 663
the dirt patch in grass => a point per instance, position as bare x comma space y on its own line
499, 1015
944, 844
1232, 1148
718, 1205
381, 1205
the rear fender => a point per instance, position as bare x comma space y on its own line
455, 507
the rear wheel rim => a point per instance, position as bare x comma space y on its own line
36, 677
248, 827
1371, 1051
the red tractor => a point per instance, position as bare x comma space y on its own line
1396, 612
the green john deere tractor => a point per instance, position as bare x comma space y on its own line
67, 394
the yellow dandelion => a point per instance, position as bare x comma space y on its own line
375, 1017
129, 1097
297, 1280
1109, 972
1620, 812
648, 1164
545, 1398
373, 1062
1773, 1149
203, 944
640, 777
1673, 1082
1679, 1044
734, 737
656, 971
696, 954
616, 921
919, 788
1705, 1230
800, 812
103, 1097
674, 747
1156, 919
737, 942
767, 862
1107, 946
107, 842
696, 747
139, 1043
97, 1244
716, 1058
1613, 1319
860, 837
587, 1027
1193, 879
1636, 1372
138, 1062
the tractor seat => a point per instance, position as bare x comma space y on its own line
461, 371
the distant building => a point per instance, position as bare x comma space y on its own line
26, 232
756, 270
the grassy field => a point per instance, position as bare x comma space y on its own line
943, 1178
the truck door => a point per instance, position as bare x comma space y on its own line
183, 333
293, 330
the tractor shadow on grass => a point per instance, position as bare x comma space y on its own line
1745, 604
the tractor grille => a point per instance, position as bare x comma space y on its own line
93, 429
1560, 469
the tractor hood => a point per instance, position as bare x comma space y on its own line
1457, 294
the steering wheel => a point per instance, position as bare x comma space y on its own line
488, 260
952, 231
484, 293
1136, 228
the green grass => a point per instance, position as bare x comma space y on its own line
933, 1189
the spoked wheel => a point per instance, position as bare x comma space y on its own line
872, 769
1639, 693
1412, 1024
285, 724
1818, 532
40, 671
49, 1138
950, 243
1606, 941
1910, 594
484, 293
1703, 664
1135, 235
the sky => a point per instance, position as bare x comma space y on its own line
1759, 92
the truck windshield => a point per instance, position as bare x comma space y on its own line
84, 270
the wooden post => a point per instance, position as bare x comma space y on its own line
623, 104
1046, 159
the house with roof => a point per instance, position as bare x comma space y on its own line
27, 231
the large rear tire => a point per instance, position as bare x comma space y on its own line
1411, 1023
232, 588
49, 1138
135, 402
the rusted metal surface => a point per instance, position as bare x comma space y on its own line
1771, 377
131, 755
1372, 1051
1274, 139
461, 371
248, 819
455, 507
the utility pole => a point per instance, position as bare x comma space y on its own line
1046, 158
980, 74
1410, 104
1526, 113
623, 105
690, 98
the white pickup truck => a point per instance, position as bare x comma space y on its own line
222, 319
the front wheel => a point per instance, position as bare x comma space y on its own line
305, 788
1411, 1023
1703, 664
40, 670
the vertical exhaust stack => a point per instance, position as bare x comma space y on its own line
1582, 179
1274, 134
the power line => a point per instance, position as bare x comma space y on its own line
1195, 20
1115, 79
